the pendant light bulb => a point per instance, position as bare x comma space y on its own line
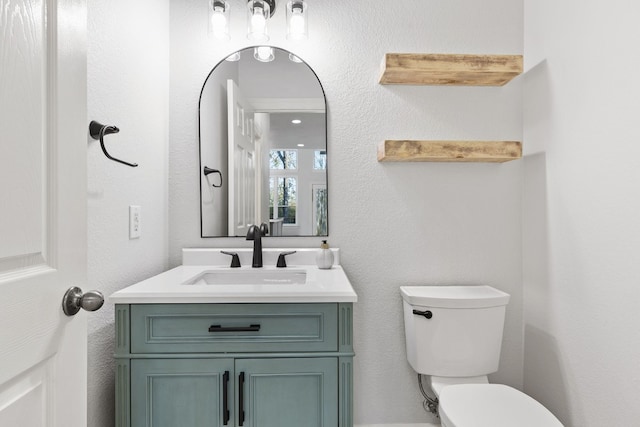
234, 57
259, 12
264, 54
297, 23
294, 58
258, 22
297, 20
219, 19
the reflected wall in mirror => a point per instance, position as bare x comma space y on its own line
263, 147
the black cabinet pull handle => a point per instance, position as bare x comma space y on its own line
225, 398
219, 328
241, 399
427, 314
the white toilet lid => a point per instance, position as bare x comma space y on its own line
491, 405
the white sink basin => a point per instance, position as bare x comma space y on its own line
250, 277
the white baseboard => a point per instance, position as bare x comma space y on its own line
398, 425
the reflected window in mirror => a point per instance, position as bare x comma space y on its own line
320, 160
320, 220
284, 159
283, 199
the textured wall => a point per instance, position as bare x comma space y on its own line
128, 81
581, 210
395, 223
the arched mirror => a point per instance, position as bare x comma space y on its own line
263, 146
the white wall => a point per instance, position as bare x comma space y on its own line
581, 210
128, 82
396, 224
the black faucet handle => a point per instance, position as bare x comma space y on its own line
235, 259
264, 229
281, 260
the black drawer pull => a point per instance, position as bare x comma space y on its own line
219, 328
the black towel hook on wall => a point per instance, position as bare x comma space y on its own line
98, 131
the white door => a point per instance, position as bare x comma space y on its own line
242, 162
43, 139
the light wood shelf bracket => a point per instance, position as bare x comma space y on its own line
449, 151
449, 69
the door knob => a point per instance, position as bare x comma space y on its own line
74, 300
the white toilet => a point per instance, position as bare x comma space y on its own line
454, 335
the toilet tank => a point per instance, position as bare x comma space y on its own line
457, 331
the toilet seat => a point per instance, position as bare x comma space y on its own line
491, 405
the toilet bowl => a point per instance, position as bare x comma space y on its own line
454, 335
494, 405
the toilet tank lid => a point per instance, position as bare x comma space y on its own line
468, 296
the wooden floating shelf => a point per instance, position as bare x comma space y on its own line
449, 151
449, 69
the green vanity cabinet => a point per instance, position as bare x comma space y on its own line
256, 365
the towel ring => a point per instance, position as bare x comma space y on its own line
207, 171
98, 131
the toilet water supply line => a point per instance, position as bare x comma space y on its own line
430, 404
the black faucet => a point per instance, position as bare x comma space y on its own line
254, 233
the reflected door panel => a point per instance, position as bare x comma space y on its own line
242, 182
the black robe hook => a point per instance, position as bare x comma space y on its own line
98, 131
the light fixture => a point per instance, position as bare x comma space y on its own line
219, 19
258, 12
300, 145
264, 53
297, 28
296, 121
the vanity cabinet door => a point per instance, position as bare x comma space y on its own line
295, 392
182, 392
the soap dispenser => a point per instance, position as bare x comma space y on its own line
324, 257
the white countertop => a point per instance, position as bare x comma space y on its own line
330, 285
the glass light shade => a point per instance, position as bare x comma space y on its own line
264, 53
295, 59
219, 19
258, 13
297, 26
